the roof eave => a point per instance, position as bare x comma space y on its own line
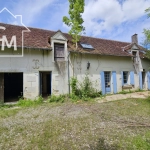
40, 48
98, 54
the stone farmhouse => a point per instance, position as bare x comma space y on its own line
49, 59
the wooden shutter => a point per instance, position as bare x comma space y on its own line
140, 80
148, 80
132, 78
122, 78
114, 82
59, 52
102, 82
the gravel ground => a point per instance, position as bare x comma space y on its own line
143, 94
89, 125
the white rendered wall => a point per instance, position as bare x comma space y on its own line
146, 66
34, 62
103, 63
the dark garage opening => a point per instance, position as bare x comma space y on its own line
13, 86
45, 84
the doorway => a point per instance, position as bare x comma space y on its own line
1, 87
45, 84
143, 79
13, 86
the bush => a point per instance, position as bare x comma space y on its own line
73, 84
84, 90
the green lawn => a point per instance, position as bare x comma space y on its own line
118, 125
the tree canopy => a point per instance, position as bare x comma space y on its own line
147, 31
148, 11
75, 20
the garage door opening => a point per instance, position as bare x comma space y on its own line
13, 86
45, 84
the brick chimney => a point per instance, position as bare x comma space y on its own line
135, 38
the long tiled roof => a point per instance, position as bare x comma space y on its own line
102, 46
38, 39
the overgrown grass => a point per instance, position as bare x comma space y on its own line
28, 102
119, 125
3, 105
59, 98
4, 113
130, 91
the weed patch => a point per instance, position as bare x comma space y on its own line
83, 90
54, 98
130, 91
28, 102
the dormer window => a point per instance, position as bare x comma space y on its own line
59, 45
134, 56
59, 54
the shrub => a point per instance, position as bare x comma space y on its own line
83, 90
73, 84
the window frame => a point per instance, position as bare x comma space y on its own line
125, 77
107, 77
60, 45
134, 53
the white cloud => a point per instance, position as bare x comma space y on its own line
113, 19
134, 9
102, 16
30, 9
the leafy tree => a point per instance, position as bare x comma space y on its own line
147, 31
75, 21
148, 55
147, 37
148, 11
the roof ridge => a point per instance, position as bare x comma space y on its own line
27, 27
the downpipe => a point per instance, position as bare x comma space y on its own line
68, 74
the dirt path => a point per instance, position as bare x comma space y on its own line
124, 96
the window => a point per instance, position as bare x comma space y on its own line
125, 77
59, 54
86, 46
107, 79
134, 56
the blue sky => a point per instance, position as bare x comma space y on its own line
110, 19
